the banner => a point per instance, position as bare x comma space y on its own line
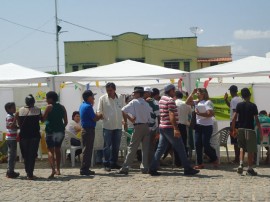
222, 111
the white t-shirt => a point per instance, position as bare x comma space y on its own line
205, 121
184, 111
71, 128
233, 105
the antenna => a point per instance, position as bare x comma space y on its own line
196, 30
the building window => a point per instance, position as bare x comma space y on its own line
213, 63
89, 66
187, 66
75, 68
172, 65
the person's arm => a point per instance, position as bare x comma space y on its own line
47, 111
235, 116
125, 121
177, 133
100, 108
190, 100
41, 117
226, 100
65, 116
17, 119
208, 113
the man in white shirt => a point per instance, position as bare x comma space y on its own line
110, 106
232, 104
141, 113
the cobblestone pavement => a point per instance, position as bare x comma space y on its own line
223, 184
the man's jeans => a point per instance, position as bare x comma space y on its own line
12, 155
166, 137
112, 140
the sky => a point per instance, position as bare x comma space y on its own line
242, 24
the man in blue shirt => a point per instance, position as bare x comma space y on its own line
88, 122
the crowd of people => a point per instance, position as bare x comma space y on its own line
155, 122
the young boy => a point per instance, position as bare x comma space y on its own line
246, 112
11, 137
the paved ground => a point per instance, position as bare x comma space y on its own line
211, 185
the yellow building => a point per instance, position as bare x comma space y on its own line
178, 53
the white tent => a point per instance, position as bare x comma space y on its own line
126, 70
11, 74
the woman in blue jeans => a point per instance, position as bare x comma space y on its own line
204, 110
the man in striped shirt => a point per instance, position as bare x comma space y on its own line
169, 133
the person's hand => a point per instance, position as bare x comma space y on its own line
194, 91
177, 133
197, 112
125, 126
234, 133
132, 119
226, 96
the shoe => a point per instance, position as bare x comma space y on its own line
33, 177
251, 172
154, 173
144, 171
108, 169
191, 171
87, 172
122, 172
235, 161
198, 167
115, 166
215, 163
240, 169
12, 175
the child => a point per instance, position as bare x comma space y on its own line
11, 137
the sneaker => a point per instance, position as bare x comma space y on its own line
191, 171
240, 169
115, 166
108, 169
198, 167
251, 172
154, 173
122, 172
12, 175
87, 172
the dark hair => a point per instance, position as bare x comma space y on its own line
128, 98
245, 93
9, 105
30, 100
263, 112
204, 92
155, 92
178, 94
110, 85
52, 95
74, 114
86, 94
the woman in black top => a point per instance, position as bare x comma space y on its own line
28, 119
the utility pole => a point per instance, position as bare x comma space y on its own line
57, 37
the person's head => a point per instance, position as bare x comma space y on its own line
147, 92
233, 90
76, 116
110, 89
138, 92
202, 94
30, 100
263, 113
155, 94
88, 96
51, 97
178, 94
128, 98
169, 90
245, 93
10, 107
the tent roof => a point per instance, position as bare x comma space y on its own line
12, 73
249, 66
125, 70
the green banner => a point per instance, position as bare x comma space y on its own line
222, 111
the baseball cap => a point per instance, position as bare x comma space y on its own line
233, 88
147, 89
169, 87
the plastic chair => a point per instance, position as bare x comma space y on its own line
123, 143
265, 142
99, 141
222, 137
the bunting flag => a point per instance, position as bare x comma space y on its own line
172, 81
157, 80
88, 86
97, 83
39, 84
180, 84
75, 86
197, 83
206, 83
62, 85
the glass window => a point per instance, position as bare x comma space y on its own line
172, 65
187, 66
89, 66
75, 68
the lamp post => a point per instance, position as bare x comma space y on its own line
57, 30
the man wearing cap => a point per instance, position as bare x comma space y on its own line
88, 122
140, 111
169, 133
110, 106
232, 104
153, 125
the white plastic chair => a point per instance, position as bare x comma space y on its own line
265, 142
98, 142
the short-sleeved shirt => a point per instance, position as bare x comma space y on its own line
154, 114
87, 115
29, 118
246, 112
167, 104
184, 111
11, 132
205, 121
235, 100
139, 109
112, 111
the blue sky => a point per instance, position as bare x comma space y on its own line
243, 24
